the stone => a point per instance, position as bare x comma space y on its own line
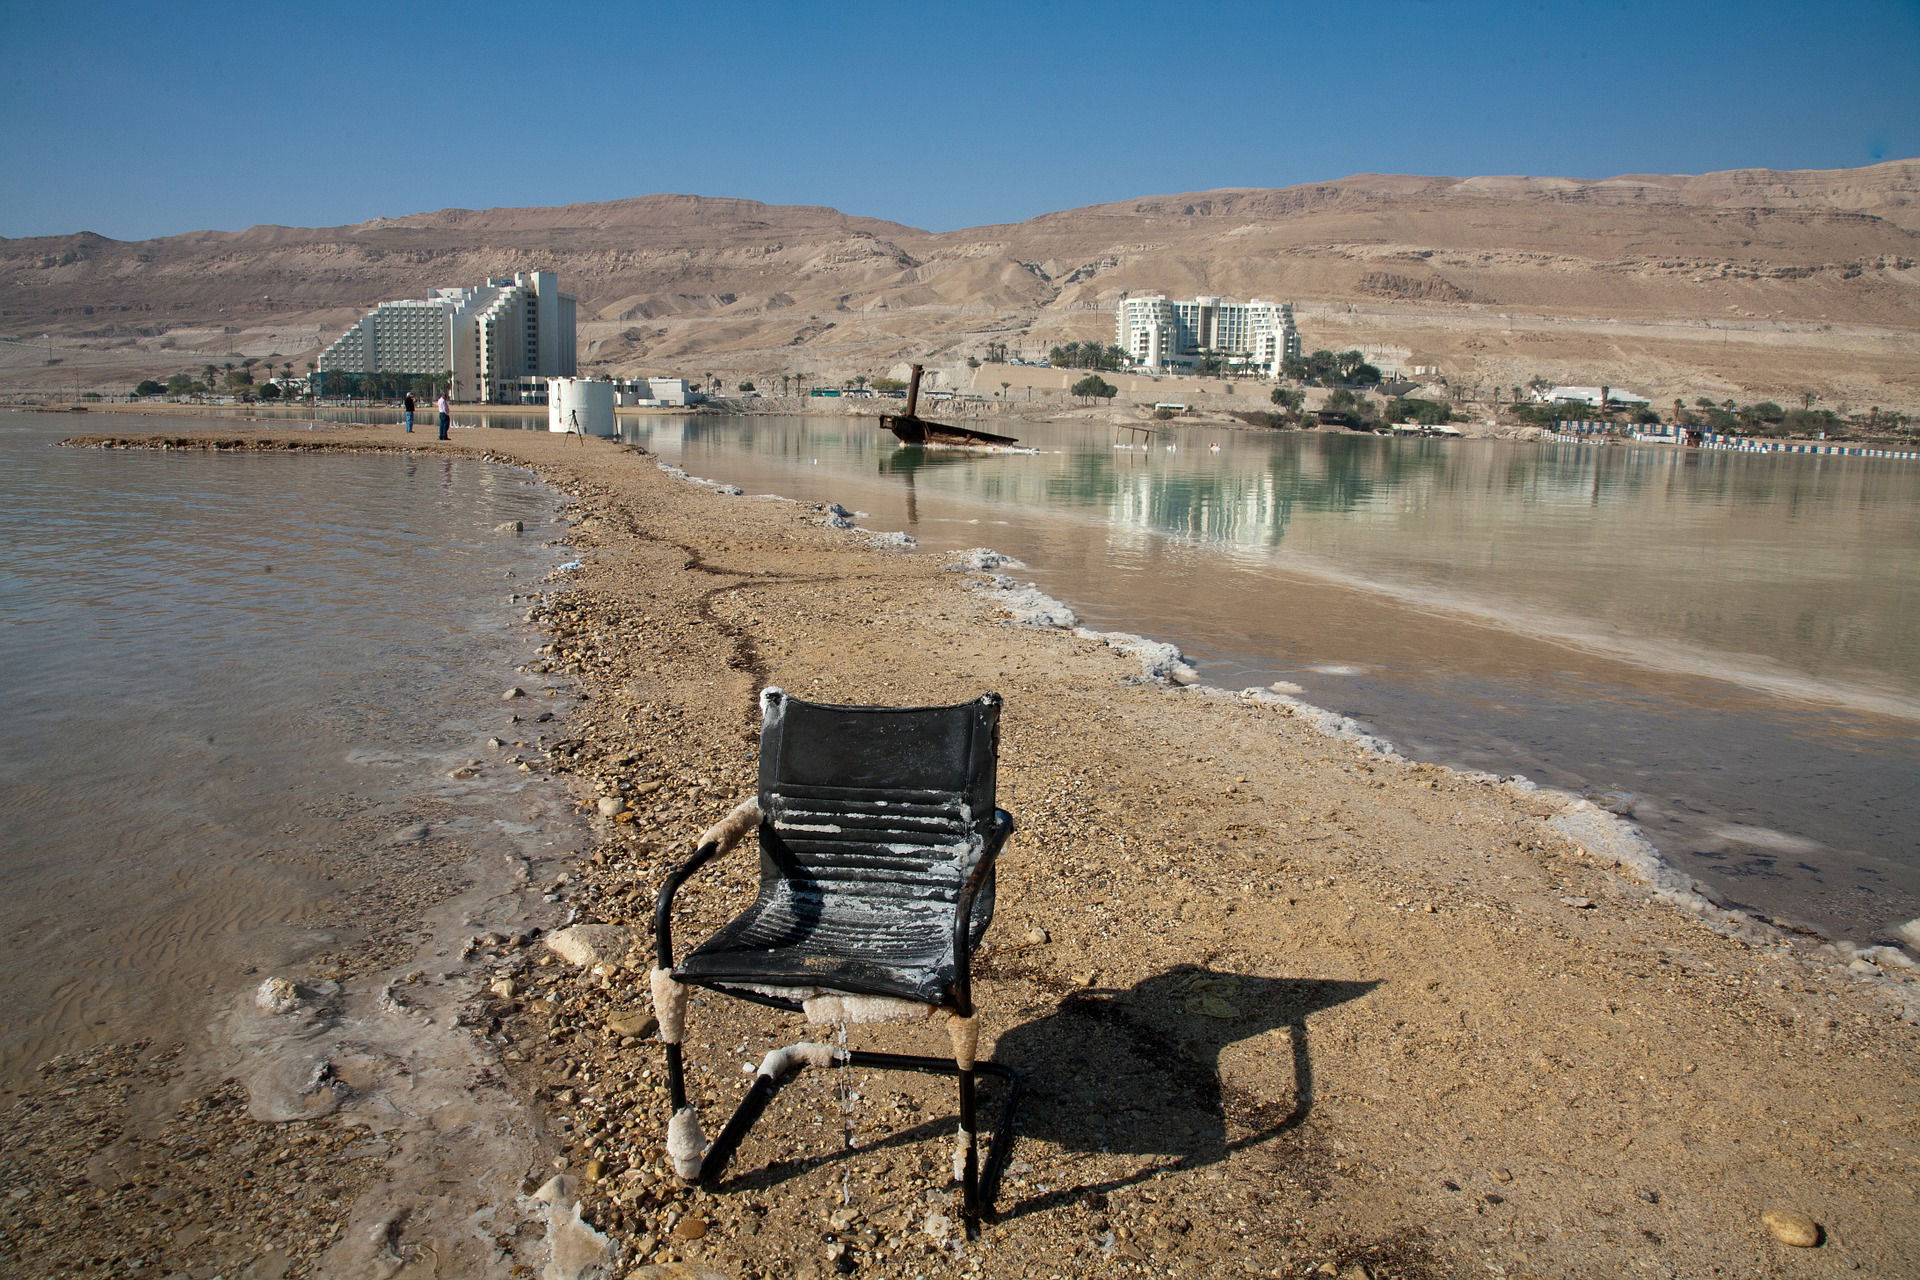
511, 526
676, 1271
637, 1025
690, 1228
1791, 1227
511, 694
503, 987
1038, 937
276, 995
610, 806
558, 1189
586, 945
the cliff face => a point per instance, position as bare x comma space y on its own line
668, 281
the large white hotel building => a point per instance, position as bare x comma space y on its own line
1162, 334
489, 338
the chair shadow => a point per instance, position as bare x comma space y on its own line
1137, 1072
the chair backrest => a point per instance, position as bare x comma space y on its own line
877, 802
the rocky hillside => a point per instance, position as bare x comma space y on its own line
1745, 283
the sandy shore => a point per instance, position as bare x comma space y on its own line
1284, 1007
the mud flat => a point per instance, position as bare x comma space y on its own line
1285, 1005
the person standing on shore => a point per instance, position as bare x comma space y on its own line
409, 405
446, 417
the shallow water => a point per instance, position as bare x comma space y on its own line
1722, 646
231, 678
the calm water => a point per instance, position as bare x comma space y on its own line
228, 679
1725, 647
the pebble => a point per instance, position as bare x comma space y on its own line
611, 806
1792, 1228
1038, 937
690, 1228
1578, 904
511, 694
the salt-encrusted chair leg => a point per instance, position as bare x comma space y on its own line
965, 1034
687, 1146
774, 1070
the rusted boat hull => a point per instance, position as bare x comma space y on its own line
911, 428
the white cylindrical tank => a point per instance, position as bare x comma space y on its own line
581, 405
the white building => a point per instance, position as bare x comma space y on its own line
489, 338
1160, 334
1592, 397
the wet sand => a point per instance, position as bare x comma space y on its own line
1283, 1006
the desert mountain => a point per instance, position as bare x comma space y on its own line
1747, 283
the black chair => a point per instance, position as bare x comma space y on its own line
878, 834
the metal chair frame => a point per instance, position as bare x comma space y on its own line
979, 1180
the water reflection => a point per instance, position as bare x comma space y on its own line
1724, 644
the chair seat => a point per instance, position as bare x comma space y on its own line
857, 944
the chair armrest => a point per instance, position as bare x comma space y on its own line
714, 841
963, 917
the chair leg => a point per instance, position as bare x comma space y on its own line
966, 1161
686, 1145
964, 1031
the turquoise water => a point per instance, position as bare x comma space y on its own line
1723, 647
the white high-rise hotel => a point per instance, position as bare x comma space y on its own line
1160, 334
488, 337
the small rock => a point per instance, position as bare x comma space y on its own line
1038, 937
511, 694
503, 988
276, 995
556, 1190
1792, 1228
674, 1270
1502, 1175
511, 526
595, 1170
1578, 904
610, 806
690, 1228
590, 944
637, 1025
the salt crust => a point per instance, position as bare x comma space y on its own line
687, 1146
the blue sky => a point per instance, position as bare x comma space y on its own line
138, 120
